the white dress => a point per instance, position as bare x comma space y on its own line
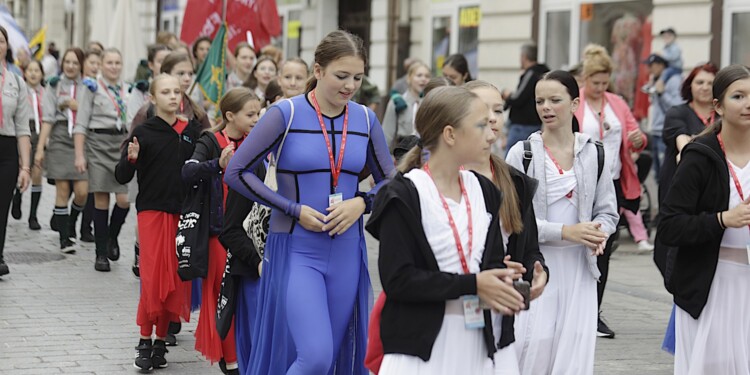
557, 335
612, 137
718, 342
457, 350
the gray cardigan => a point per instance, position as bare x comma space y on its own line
404, 120
597, 201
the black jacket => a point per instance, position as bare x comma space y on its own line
415, 286
203, 167
521, 103
700, 189
159, 165
523, 247
233, 237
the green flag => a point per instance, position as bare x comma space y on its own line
211, 75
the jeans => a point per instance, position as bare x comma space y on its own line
658, 148
519, 132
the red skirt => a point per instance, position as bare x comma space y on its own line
162, 290
207, 340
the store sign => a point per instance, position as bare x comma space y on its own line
292, 29
587, 12
469, 17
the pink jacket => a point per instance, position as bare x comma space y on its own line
631, 187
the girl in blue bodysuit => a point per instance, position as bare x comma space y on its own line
314, 293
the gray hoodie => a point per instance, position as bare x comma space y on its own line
597, 201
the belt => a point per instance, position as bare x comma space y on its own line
108, 131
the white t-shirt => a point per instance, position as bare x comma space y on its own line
612, 137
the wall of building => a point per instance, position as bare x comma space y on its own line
505, 26
694, 32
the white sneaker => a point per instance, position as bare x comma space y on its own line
644, 245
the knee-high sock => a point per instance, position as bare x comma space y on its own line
117, 220
36, 195
88, 214
101, 229
75, 210
61, 217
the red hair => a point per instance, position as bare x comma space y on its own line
686, 90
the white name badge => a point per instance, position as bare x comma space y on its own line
334, 199
473, 314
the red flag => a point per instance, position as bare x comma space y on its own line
202, 18
641, 103
260, 17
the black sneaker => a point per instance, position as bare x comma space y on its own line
136, 266
86, 236
3, 268
175, 327
143, 354
101, 264
15, 209
34, 224
171, 339
53, 224
67, 246
113, 249
157, 357
603, 331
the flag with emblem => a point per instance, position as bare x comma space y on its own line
36, 44
211, 75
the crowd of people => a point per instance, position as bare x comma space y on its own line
493, 260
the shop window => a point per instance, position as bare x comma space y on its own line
740, 49
468, 36
441, 41
557, 47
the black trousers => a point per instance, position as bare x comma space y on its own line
8, 178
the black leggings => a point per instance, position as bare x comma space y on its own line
9, 173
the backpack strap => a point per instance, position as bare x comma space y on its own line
275, 159
599, 159
367, 116
526, 156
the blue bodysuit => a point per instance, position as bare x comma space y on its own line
315, 288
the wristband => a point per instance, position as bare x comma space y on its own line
721, 220
368, 201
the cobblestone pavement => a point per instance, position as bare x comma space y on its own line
61, 316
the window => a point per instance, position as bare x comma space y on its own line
468, 36
557, 47
740, 49
441, 36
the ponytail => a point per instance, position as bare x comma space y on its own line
412, 159
311, 83
510, 210
713, 128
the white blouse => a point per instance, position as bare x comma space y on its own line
437, 228
612, 137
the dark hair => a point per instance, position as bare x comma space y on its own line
436, 82
335, 45
168, 65
272, 91
92, 52
9, 53
96, 43
444, 106
154, 49
458, 61
297, 60
197, 42
41, 68
233, 101
251, 81
725, 78
530, 51
686, 90
79, 55
241, 46
571, 86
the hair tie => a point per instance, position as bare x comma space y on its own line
419, 143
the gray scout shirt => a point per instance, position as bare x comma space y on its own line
99, 110
16, 107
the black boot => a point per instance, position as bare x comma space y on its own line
157, 358
101, 264
36, 195
115, 225
61, 217
15, 208
143, 353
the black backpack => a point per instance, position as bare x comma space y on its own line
527, 155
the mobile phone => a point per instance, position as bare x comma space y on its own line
523, 287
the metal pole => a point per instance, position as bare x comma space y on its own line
158, 16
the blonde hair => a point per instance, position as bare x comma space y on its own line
510, 210
596, 60
442, 107
157, 81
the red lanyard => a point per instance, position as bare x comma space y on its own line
38, 93
112, 98
2, 86
731, 171
559, 168
335, 167
707, 121
182, 106
456, 236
